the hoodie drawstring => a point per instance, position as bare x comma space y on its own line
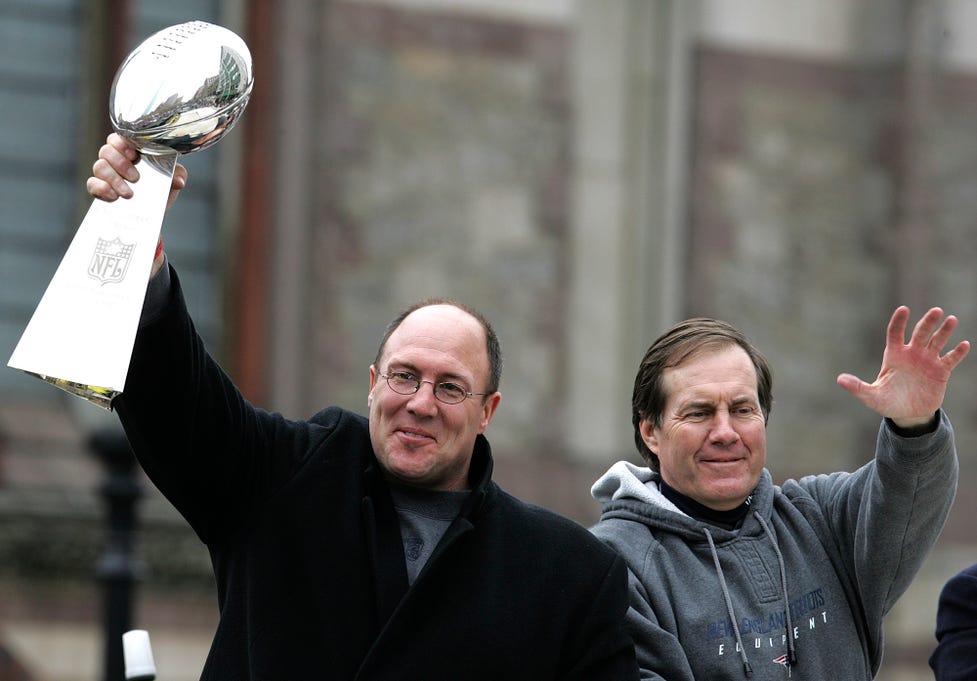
729, 605
791, 652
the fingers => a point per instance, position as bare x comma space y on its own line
114, 166
179, 177
178, 183
895, 333
933, 330
927, 324
955, 356
940, 338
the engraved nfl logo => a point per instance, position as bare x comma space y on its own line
110, 261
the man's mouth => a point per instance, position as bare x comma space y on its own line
722, 460
414, 435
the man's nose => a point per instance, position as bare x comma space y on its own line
423, 401
722, 430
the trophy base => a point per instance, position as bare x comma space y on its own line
100, 397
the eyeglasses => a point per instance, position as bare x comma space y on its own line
404, 383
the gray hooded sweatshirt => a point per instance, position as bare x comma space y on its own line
800, 589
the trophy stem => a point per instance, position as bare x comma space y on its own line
81, 335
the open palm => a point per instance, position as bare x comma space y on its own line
912, 381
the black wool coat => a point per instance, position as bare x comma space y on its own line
307, 554
955, 656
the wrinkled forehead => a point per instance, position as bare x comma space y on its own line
725, 367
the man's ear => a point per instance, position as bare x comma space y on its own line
373, 382
649, 434
488, 409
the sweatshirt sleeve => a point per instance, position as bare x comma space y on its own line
886, 516
657, 648
650, 619
909, 497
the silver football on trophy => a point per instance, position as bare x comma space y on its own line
182, 88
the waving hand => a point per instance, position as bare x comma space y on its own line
912, 381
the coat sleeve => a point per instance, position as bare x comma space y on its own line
213, 455
955, 656
602, 648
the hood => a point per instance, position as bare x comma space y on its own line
625, 481
630, 492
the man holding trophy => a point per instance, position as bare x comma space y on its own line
365, 547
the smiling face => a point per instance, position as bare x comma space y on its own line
711, 444
417, 439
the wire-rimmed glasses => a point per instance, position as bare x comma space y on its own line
406, 383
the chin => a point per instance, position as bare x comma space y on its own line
728, 499
411, 476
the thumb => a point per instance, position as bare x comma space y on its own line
852, 384
178, 184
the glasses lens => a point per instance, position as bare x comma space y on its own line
403, 384
450, 393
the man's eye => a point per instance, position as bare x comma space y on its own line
403, 379
452, 390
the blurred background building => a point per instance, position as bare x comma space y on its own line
585, 172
